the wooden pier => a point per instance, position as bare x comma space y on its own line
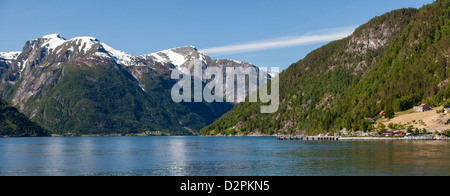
309, 138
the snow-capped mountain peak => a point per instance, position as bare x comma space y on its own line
121, 57
53, 49
9, 56
51, 36
178, 56
169, 56
84, 43
54, 52
52, 41
56, 44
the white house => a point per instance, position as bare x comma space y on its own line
447, 109
422, 108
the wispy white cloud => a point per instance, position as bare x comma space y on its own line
281, 42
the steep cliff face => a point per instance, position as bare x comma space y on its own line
379, 31
7, 74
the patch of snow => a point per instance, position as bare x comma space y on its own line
168, 56
72, 49
51, 36
158, 58
9, 55
58, 50
175, 58
24, 64
121, 57
239, 62
202, 57
101, 54
273, 74
52, 41
85, 43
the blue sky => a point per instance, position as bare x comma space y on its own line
274, 32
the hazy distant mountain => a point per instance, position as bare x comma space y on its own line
82, 85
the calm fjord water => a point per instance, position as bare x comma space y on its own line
223, 156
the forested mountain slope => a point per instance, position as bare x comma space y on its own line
15, 124
396, 61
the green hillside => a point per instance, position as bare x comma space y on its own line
107, 100
15, 124
396, 61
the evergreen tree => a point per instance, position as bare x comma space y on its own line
389, 112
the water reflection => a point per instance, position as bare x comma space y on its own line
177, 157
52, 157
396, 158
198, 156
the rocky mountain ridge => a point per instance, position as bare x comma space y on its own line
53, 75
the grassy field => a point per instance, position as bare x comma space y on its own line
430, 120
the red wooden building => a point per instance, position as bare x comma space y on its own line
399, 133
394, 134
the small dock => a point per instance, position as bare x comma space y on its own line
309, 138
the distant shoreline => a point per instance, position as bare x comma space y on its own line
407, 138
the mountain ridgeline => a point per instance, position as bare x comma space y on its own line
83, 86
394, 61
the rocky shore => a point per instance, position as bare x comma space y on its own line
424, 137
